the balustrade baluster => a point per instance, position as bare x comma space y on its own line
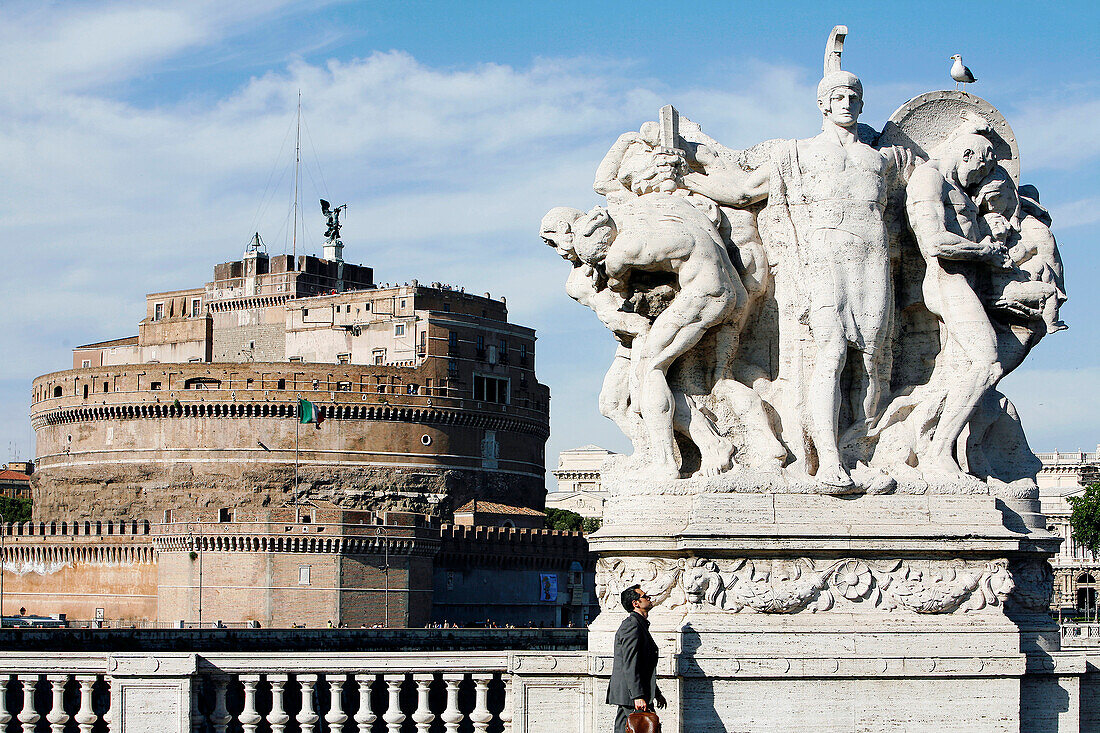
112, 705
307, 718
335, 717
423, 717
27, 716
198, 720
480, 715
452, 716
364, 717
506, 713
57, 716
393, 716
85, 717
278, 717
5, 715
249, 717
220, 716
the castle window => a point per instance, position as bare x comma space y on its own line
402, 303
446, 307
56, 391
343, 358
152, 385
295, 359
167, 516
399, 329
158, 311
196, 307
85, 391
85, 363
343, 386
379, 356
106, 388
303, 574
281, 384
305, 312
225, 515
490, 389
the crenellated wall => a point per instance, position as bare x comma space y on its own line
76, 568
311, 565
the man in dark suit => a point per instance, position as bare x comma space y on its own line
634, 668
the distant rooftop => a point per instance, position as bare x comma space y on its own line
128, 341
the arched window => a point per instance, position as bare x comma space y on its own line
56, 391
1085, 578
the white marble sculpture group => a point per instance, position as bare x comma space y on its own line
827, 315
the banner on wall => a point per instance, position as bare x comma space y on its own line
548, 587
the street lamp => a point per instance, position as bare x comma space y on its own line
386, 573
191, 535
3, 531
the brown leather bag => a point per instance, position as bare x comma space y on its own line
639, 722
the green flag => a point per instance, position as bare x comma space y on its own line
309, 412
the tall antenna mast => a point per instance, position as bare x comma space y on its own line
297, 174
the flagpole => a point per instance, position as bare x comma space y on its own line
297, 422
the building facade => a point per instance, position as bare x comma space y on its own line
428, 394
1076, 570
579, 487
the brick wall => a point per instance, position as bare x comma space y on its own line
232, 344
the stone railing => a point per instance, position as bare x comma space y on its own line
1067, 458
1078, 634
212, 693
284, 681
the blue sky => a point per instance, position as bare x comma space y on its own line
141, 143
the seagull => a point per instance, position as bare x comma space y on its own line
960, 73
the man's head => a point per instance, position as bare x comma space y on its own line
997, 194
972, 157
635, 599
840, 97
556, 229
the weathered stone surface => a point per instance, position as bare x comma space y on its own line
827, 315
831, 506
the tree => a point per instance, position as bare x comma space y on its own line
591, 524
564, 519
1084, 519
15, 510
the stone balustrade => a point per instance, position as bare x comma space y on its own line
213, 693
1077, 634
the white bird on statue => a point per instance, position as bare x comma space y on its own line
960, 73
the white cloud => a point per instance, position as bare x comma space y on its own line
1057, 133
1078, 213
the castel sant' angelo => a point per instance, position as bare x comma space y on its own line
428, 397
179, 480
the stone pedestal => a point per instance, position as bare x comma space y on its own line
151, 693
809, 612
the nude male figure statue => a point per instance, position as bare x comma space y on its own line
836, 189
946, 223
663, 232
